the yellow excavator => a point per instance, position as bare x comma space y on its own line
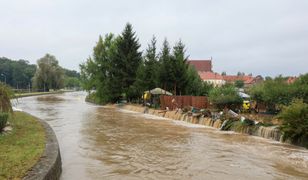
246, 106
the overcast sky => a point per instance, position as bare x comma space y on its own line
267, 37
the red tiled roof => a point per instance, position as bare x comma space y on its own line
209, 75
291, 80
201, 65
246, 79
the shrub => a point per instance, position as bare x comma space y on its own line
93, 98
300, 88
3, 120
225, 96
5, 99
277, 92
295, 122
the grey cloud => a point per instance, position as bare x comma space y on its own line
262, 37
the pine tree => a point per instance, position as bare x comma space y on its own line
194, 83
179, 68
151, 65
127, 60
164, 67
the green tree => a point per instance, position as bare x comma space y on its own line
127, 61
239, 84
240, 73
141, 84
273, 93
194, 84
147, 76
151, 65
17, 74
295, 122
179, 68
71, 82
300, 88
165, 67
225, 96
100, 73
206, 88
49, 75
173, 68
88, 74
71, 73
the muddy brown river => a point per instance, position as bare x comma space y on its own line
106, 143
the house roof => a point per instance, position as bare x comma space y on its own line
206, 75
201, 65
246, 79
291, 80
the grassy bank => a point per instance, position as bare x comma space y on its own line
21, 148
19, 95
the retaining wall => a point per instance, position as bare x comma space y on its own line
49, 167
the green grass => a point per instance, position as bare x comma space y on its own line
22, 147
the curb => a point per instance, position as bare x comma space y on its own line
49, 166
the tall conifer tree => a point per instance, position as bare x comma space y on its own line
151, 65
180, 67
127, 60
164, 66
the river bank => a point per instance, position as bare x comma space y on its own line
270, 132
22, 147
20, 95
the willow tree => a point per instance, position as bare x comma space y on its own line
48, 75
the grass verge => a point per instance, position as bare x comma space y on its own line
22, 147
19, 95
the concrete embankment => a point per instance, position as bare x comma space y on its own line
49, 167
266, 132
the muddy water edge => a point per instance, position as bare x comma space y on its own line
108, 143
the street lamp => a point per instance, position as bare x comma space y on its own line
4, 77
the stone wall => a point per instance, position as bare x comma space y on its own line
49, 167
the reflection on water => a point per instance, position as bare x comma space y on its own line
106, 143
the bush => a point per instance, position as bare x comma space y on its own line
275, 93
295, 123
225, 96
5, 99
3, 120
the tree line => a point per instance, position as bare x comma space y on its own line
17, 74
47, 74
119, 69
276, 92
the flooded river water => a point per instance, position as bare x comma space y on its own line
107, 143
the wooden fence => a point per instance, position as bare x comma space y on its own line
173, 102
